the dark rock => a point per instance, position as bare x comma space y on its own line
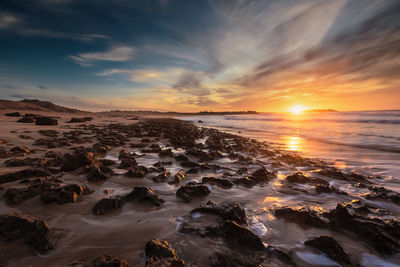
383, 235
98, 173
106, 162
160, 253
241, 236
20, 150
27, 120
15, 196
65, 194
77, 160
331, 248
84, 119
187, 192
181, 158
144, 194
21, 162
302, 216
162, 177
231, 211
166, 152
107, 205
262, 175
179, 176
45, 121
23, 174
242, 170
189, 164
107, 261
35, 232
128, 163
245, 181
381, 193
137, 172
299, 178
13, 114
328, 189
223, 183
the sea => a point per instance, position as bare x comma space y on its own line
364, 141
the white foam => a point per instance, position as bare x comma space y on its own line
370, 260
316, 259
258, 227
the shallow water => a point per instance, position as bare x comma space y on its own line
368, 141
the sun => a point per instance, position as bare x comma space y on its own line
297, 109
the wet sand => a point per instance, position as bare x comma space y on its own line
254, 174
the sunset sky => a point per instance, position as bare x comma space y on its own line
202, 55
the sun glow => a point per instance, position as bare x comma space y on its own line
298, 109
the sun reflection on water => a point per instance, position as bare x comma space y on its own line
293, 143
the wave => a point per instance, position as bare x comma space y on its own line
372, 121
376, 147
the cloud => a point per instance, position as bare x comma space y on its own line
7, 20
119, 53
19, 25
42, 87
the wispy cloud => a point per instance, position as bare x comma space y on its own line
7, 20
119, 53
19, 25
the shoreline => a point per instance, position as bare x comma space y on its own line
237, 195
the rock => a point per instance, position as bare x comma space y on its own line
24, 136
231, 211
77, 160
244, 181
241, 236
98, 173
190, 190
223, 183
107, 261
20, 150
381, 193
23, 174
27, 120
166, 152
302, 216
181, 158
84, 119
161, 254
383, 235
14, 162
13, 114
242, 170
127, 163
106, 162
331, 248
46, 121
107, 205
299, 178
339, 175
262, 175
33, 231
179, 176
15, 196
144, 194
65, 194
162, 177
137, 172
328, 189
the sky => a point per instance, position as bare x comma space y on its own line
179, 55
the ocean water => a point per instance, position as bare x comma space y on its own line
366, 141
